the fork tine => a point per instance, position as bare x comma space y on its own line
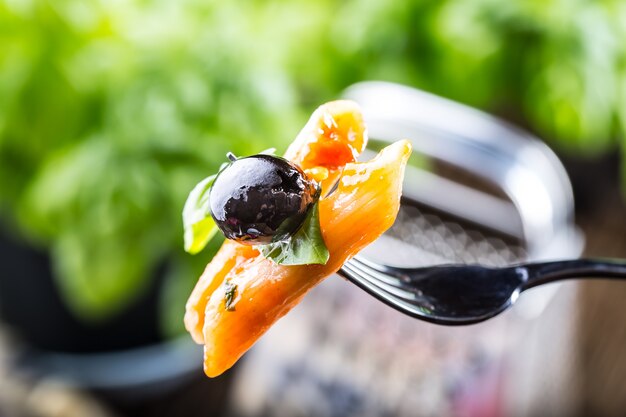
375, 271
380, 281
377, 267
385, 281
403, 306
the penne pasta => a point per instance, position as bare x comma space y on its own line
241, 293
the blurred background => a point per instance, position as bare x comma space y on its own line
111, 111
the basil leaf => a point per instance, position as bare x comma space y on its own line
197, 221
306, 246
230, 290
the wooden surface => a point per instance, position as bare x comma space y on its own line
601, 344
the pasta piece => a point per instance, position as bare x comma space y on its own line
241, 293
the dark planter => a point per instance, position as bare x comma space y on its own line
124, 360
31, 304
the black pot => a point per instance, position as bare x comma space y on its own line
124, 360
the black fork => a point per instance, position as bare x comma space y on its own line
466, 294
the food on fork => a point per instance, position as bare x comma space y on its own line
290, 223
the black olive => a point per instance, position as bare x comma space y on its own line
261, 199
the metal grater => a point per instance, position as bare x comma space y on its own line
343, 353
435, 239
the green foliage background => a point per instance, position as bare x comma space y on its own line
110, 110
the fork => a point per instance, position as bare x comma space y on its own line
466, 294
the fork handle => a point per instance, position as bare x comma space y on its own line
534, 274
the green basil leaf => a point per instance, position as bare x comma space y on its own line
306, 246
197, 221
230, 290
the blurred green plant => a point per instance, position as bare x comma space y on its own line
111, 111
